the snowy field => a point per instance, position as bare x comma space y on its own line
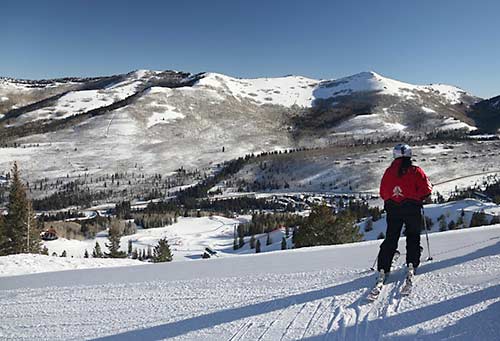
189, 237
309, 294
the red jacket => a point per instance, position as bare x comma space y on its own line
413, 186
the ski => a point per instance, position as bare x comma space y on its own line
379, 285
408, 284
377, 289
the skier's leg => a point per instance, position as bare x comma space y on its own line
413, 225
390, 243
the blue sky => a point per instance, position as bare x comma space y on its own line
424, 41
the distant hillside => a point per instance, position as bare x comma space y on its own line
159, 121
486, 114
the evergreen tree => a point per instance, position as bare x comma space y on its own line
478, 219
63, 254
369, 225
452, 225
443, 226
3, 237
150, 254
252, 241
161, 252
134, 254
269, 241
322, 227
235, 243
20, 228
97, 253
241, 242
86, 254
114, 236
428, 223
257, 246
130, 247
283, 243
45, 251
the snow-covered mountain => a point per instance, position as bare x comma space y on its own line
308, 294
369, 87
162, 120
487, 114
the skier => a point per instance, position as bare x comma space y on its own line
404, 188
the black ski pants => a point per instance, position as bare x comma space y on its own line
411, 217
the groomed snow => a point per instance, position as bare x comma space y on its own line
308, 294
22, 264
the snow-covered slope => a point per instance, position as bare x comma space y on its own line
373, 82
301, 91
309, 294
176, 120
285, 91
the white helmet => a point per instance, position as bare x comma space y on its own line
401, 150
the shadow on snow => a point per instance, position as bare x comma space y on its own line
390, 324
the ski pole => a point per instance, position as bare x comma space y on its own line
426, 235
374, 262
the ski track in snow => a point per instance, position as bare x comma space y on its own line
456, 296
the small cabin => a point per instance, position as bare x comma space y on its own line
49, 234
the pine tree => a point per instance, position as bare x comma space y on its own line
63, 254
452, 225
252, 241
129, 247
45, 251
161, 252
20, 227
443, 226
114, 236
3, 237
283, 243
241, 242
134, 254
86, 254
235, 243
150, 254
97, 253
269, 241
257, 246
322, 227
369, 225
478, 219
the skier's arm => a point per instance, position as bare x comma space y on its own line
384, 191
424, 186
